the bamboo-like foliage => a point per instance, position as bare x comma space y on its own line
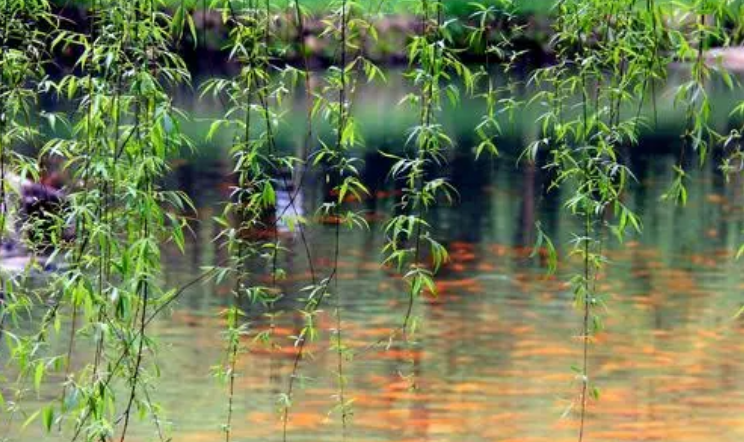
584, 146
249, 97
432, 64
122, 130
350, 27
114, 143
254, 193
609, 65
22, 57
333, 102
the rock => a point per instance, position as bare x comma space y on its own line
728, 58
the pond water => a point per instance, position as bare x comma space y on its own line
494, 352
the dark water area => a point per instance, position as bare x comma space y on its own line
494, 351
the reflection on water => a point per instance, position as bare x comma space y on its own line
494, 355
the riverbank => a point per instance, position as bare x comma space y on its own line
204, 48
529, 32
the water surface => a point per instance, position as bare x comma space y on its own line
494, 351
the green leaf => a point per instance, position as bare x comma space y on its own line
38, 376
177, 22
268, 196
543, 239
192, 30
48, 417
595, 393
31, 418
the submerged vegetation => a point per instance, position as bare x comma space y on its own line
114, 142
